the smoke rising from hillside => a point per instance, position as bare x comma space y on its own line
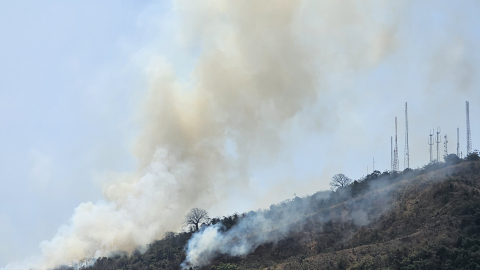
300, 215
260, 65
254, 229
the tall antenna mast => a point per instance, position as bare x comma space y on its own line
430, 142
391, 153
406, 156
458, 142
395, 151
438, 140
469, 135
373, 163
446, 149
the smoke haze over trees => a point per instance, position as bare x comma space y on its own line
391, 217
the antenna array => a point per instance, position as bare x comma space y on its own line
430, 142
446, 149
391, 153
395, 151
406, 156
458, 142
438, 140
469, 135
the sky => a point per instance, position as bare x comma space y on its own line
92, 93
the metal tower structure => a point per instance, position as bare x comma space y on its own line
391, 153
406, 156
438, 140
430, 142
458, 142
395, 151
469, 135
446, 148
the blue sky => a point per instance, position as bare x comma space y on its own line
73, 78
67, 91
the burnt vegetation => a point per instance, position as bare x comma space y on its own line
426, 218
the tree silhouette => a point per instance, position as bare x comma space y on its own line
196, 217
340, 180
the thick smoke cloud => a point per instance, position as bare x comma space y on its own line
260, 65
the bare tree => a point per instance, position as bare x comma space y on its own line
340, 180
196, 217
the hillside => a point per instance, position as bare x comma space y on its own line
427, 218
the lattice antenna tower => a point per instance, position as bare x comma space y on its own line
469, 135
430, 142
458, 142
446, 148
395, 151
391, 153
406, 156
438, 140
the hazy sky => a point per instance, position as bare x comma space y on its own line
74, 77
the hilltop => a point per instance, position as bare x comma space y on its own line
427, 218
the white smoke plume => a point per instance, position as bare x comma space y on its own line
261, 64
252, 230
280, 221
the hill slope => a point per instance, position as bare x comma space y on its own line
422, 219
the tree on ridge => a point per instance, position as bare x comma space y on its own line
196, 217
340, 180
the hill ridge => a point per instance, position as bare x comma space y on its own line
408, 219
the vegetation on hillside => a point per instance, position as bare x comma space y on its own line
427, 218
